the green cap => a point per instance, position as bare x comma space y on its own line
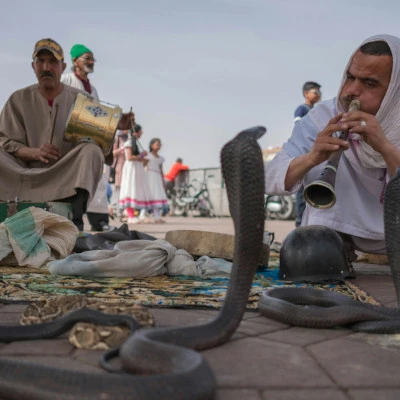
78, 49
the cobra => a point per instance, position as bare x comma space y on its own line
292, 305
166, 358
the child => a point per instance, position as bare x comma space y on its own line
134, 192
158, 198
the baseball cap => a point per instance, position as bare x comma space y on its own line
50, 45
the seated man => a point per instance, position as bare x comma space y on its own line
371, 155
37, 164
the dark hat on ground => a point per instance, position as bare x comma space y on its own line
313, 253
50, 45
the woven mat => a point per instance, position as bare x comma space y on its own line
28, 285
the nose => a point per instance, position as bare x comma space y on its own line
355, 88
46, 66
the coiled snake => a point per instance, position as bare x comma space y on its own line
314, 308
165, 358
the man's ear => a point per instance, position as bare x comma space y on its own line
32, 65
64, 65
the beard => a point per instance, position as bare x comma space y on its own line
88, 69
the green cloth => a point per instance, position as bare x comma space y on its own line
78, 49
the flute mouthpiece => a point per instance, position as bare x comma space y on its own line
354, 105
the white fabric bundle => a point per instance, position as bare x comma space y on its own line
139, 259
35, 236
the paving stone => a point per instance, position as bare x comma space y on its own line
257, 363
374, 394
179, 317
251, 314
304, 394
383, 341
38, 347
238, 394
260, 319
9, 318
254, 328
14, 308
355, 363
59, 362
381, 288
90, 357
304, 336
237, 336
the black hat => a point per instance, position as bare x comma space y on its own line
313, 253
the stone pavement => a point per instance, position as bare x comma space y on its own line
264, 359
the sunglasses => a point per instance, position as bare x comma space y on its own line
88, 59
315, 91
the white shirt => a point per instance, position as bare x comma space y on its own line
358, 210
71, 79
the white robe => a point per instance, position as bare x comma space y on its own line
28, 121
361, 175
358, 210
71, 80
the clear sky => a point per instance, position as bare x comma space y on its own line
197, 72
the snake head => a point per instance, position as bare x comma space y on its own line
256, 132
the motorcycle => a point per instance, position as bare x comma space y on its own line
189, 199
280, 207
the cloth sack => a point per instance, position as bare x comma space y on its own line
139, 259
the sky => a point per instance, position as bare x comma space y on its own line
198, 72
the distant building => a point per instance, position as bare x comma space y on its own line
270, 153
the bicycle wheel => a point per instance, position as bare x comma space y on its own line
206, 208
179, 207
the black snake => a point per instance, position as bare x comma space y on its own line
166, 358
314, 308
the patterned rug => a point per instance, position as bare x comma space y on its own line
28, 285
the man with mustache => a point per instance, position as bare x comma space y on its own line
370, 157
37, 165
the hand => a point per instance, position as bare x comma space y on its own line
367, 126
46, 152
127, 121
325, 143
143, 153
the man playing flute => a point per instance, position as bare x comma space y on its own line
370, 157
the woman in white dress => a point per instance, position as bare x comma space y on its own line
134, 193
155, 178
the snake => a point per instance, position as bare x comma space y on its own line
160, 363
313, 308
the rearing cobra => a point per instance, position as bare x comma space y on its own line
166, 358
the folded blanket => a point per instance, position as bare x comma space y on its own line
138, 259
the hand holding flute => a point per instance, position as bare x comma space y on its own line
321, 193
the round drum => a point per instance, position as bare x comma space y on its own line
93, 122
